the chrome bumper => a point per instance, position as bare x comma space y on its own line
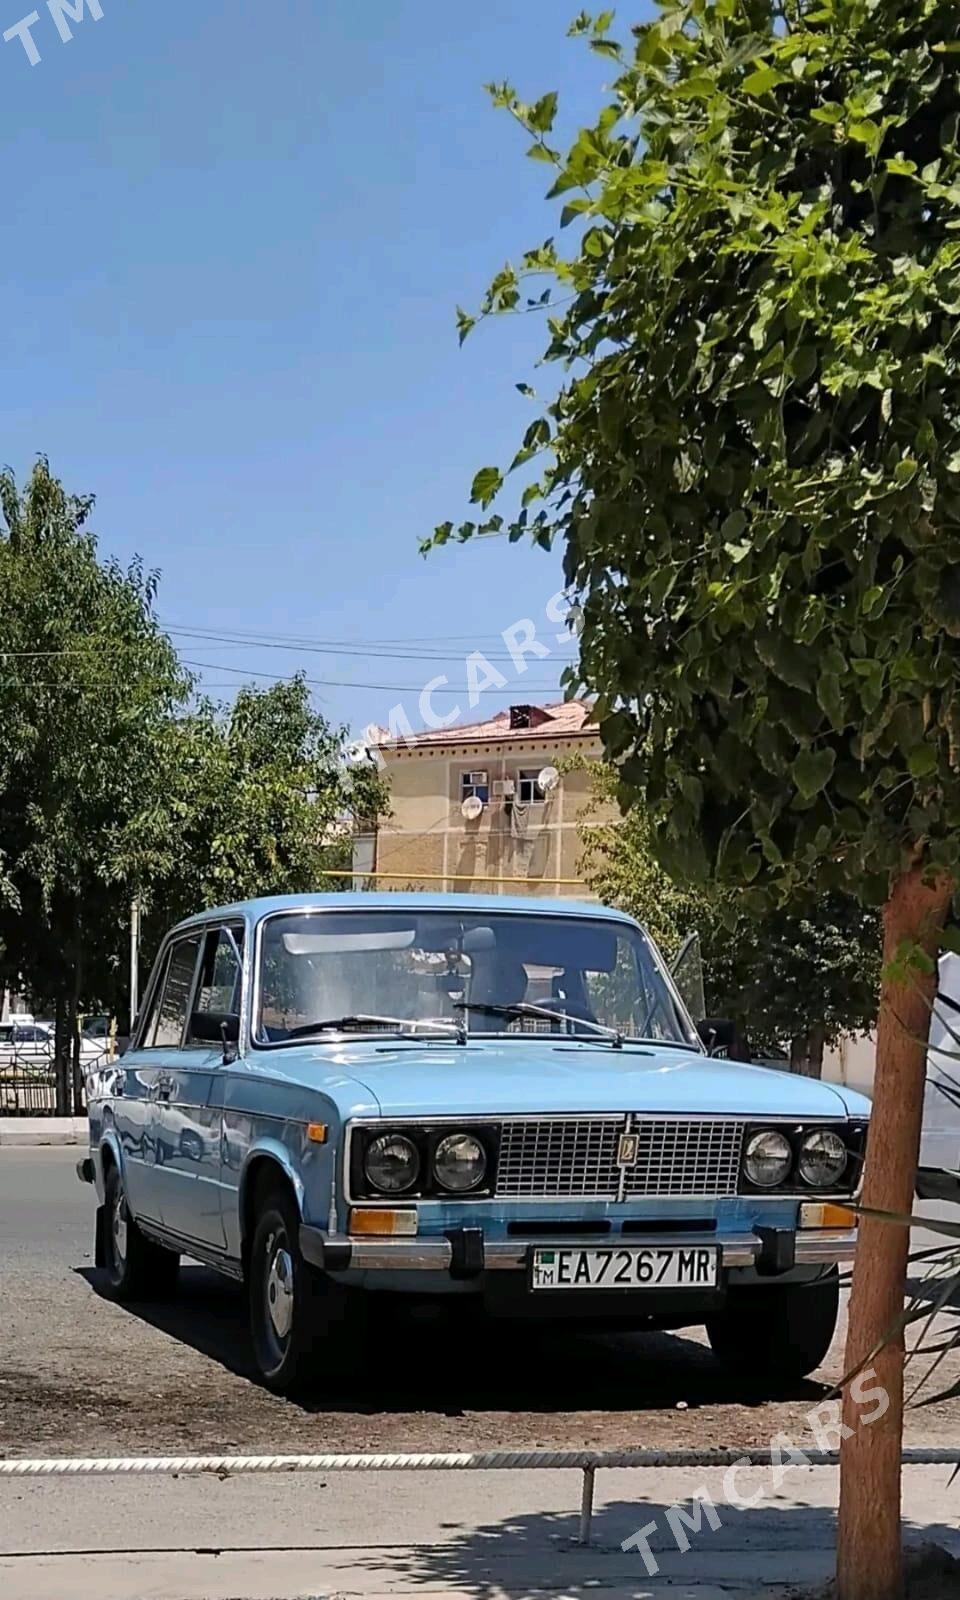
813, 1247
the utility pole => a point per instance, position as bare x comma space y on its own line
134, 961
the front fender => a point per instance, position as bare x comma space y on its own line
272, 1150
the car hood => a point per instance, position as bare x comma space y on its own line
503, 1078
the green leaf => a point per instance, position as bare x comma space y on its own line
900, 166
866, 132
812, 771
465, 323
763, 80
486, 486
922, 761
542, 115
574, 209
738, 552
830, 699
830, 113
733, 525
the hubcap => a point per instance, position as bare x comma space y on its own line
119, 1228
279, 1288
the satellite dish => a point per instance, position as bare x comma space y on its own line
358, 752
547, 780
472, 807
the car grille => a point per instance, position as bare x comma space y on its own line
559, 1158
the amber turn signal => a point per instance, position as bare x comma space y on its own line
317, 1132
383, 1222
816, 1214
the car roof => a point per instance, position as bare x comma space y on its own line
370, 900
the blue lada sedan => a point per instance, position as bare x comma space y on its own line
337, 1098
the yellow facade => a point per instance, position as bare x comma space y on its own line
426, 841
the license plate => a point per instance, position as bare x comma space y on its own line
644, 1268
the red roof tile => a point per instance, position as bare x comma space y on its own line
567, 718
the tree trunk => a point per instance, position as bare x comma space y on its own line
869, 1542
806, 1052
61, 1046
76, 1076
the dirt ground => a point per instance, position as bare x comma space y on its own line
80, 1376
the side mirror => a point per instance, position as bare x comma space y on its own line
215, 1027
719, 1035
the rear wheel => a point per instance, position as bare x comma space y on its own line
297, 1316
779, 1332
135, 1267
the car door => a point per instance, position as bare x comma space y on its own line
133, 1107
190, 1095
148, 1070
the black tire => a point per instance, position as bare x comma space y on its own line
135, 1268
777, 1332
297, 1315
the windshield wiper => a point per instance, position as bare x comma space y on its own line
525, 1008
369, 1020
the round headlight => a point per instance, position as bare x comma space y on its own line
460, 1162
392, 1163
768, 1158
823, 1158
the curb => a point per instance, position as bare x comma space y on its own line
42, 1132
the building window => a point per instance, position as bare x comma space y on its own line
528, 788
474, 783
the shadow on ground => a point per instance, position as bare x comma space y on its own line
471, 1363
777, 1544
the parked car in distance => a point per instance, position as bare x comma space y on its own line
339, 1098
31, 1044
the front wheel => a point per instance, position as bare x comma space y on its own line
779, 1332
296, 1313
136, 1268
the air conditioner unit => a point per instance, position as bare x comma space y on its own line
504, 789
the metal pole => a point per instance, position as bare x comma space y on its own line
134, 961
586, 1505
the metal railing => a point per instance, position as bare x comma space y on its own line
27, 1091
587, 1462
28, 1083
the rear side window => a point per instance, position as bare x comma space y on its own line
168, 1016
221, 973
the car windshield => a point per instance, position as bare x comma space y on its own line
328, 972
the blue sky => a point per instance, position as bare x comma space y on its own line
234, 238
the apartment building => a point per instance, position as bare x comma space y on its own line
488, 807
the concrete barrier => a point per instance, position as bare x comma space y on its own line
36, 1132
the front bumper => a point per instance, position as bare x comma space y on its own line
464, 1253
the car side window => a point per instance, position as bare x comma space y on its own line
165, 1029
221, 975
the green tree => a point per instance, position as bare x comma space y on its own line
795, 979
752, 464
116, 786
88, 682
259, 799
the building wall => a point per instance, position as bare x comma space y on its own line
426, 841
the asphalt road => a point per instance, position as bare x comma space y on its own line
81, 1376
